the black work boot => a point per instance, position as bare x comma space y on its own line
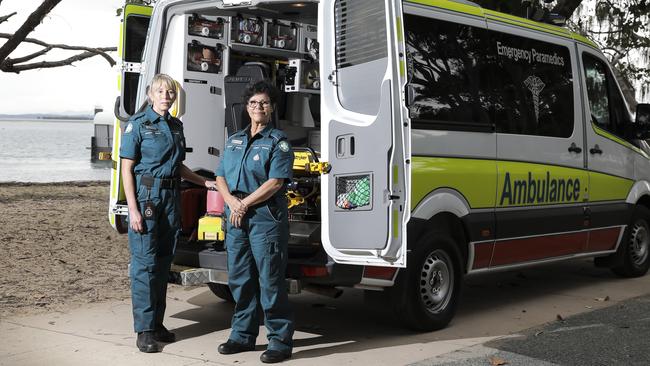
232, 347
161, 334
273, 356
146, 342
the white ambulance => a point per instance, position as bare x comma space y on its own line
433, 139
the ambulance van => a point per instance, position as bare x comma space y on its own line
433, 140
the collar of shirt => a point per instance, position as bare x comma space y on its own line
266, 132
154, 117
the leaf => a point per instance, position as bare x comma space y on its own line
497, 361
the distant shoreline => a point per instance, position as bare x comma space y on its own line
45, 120
78, 183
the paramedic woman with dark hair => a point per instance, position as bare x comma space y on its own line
256, 165
152, 152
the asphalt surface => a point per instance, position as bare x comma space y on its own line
616, 335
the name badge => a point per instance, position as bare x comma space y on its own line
237, 142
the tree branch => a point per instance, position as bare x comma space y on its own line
5, 17
32, 21
47, 64
19, 60
98, 51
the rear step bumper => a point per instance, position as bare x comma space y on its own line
188, 276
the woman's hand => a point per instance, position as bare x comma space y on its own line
135, 220
237, 210
235, 219
211, 184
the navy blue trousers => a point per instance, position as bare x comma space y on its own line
152, 253
257, 261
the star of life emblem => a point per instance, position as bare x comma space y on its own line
535, 85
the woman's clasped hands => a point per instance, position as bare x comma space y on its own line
237, 211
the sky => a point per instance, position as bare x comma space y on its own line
79, 88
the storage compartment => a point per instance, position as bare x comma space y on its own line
225, 51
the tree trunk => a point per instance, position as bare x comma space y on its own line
32, 21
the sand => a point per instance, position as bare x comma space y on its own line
58, 248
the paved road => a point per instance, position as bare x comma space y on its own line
616, 335
347, 331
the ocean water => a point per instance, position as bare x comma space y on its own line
48, 151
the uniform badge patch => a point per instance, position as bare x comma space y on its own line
284, 146
129, 128
256, 157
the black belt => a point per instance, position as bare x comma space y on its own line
240, 195
164, 183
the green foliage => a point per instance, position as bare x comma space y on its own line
622, 30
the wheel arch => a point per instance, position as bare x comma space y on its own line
442, 210
639, 194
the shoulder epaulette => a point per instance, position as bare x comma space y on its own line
278, 135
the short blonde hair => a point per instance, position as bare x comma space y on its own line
163, 79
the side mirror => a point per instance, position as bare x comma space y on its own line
642, 121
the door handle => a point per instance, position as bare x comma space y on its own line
595, 150
574, 148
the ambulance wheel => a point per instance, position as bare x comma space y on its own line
222, 291
427, 292
634, 250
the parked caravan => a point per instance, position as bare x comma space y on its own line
433, 139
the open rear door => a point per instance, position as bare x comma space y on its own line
365, 132
133, 34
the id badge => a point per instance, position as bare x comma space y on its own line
149, 210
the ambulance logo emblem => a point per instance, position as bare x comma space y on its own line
535, 85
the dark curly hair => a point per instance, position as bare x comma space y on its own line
261, 87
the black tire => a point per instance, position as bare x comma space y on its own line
221, 291
634, 251
426, 293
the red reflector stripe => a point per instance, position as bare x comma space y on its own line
309, 271
381, 273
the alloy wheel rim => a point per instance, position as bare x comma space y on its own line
436, 281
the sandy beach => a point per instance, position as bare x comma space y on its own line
59, 250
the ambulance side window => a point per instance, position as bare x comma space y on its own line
596, 80
448, 71
533, 87
606, 105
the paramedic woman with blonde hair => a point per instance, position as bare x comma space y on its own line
152, 152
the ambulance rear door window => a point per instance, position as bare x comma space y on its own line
448, 71
533, 86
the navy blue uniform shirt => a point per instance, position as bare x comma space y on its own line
155, 142
249, 162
